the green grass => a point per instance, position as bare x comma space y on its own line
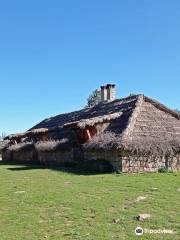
37, 203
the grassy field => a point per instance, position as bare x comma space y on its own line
38, 203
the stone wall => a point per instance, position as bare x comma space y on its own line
6, 155
174, 163
26, 156
102, 161
142, 164
77, 158
23, 156
61, 158
56, 158
149, 163
132, 163
111, 157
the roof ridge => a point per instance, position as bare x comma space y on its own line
162, 107
132, 120
123, 98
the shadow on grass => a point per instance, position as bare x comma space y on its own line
16, 166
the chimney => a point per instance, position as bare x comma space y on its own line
103, 93
108, 92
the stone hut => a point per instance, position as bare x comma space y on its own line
133, 134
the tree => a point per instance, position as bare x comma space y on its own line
2, 136
94, 98
2, 141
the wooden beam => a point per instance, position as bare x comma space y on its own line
88, 133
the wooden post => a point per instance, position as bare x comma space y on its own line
88, 134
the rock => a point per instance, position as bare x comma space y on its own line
19, 192
178, 190
143, 217
116, 221
154, 189
140, 198
67, 183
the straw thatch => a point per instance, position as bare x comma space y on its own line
152, 128
21, 146
52, 145
141, 146
136, 123
99, 111
82, 124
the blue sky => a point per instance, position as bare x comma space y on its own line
54, 53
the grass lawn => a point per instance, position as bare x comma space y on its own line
38, 203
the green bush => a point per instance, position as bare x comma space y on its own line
162, 169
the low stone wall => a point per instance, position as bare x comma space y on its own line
6, 155
61, 158
125, 162
56, 158
23, 156
75, 158
113, 158
149, 163
102, 161
174, 163
142, 164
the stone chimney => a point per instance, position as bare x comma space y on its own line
108, 92
103, 93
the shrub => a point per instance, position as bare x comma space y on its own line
162, 169
3, 145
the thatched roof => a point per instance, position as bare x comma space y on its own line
27, 133
136, 122
93, 121
151, 127
99, 111
103, 111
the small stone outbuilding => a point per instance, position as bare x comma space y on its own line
133, 134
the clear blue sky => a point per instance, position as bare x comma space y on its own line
54, 53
